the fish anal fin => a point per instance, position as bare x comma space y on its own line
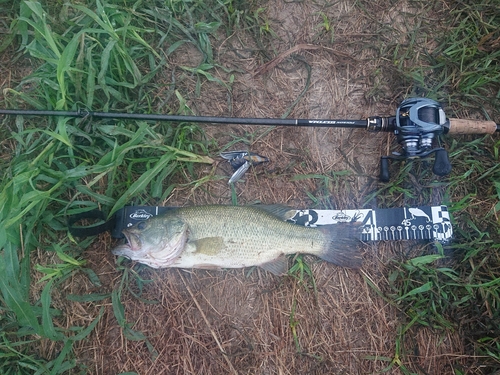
343, 245
278, 266
280, 211
210, 245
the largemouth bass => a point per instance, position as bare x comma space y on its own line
216, 237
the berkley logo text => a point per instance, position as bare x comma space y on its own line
140, 215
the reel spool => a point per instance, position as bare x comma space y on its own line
419, 122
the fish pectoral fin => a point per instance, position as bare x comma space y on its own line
278, 266
280, 211
210, 245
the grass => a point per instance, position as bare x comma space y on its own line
100, 58
105, 56
460, 280
468, 61
454, 287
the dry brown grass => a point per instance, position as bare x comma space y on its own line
243, 321
240, 321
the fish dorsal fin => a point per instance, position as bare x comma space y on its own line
280, 211
278, 266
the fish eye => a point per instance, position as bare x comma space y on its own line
141, 225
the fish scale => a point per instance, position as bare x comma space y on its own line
234, 237
250, 237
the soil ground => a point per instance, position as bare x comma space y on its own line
249, 321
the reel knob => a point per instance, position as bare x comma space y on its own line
418, 123
384, 169
442, 165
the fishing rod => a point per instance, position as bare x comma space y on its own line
418, 125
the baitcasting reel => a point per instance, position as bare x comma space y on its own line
418, 123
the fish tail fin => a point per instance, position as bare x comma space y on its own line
343, 245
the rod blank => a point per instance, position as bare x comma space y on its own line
457, 126
362, 124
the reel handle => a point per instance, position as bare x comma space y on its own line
441, 167
417, 124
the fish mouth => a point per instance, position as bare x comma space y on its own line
132, 243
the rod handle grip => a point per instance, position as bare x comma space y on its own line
459, 126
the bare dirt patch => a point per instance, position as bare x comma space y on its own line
249, 321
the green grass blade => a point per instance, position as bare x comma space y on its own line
105, 59
422, 289
60, 367
118, 308
42, 26
104, 23
12, 291
47, 323
63, 66
86, 331
142, 182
